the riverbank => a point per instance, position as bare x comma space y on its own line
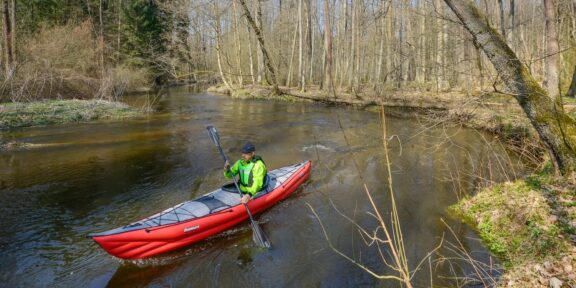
50, 112
493, 112
531, 225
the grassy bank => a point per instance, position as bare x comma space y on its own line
492, 112
531, 225
14, 115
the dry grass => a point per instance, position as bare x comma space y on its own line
129, 78
16, 115
62, 62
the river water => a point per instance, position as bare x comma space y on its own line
82, 178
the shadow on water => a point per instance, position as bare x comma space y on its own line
158, 270
105, 175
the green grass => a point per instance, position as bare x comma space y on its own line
568, 100
571, 102
14, 115
514, 221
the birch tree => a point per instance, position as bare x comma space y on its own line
551, 82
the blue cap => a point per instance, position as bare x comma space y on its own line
248, 148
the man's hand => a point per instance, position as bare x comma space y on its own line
245, 198
226, 165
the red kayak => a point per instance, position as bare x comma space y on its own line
197, 219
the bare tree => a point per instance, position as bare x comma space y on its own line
502, 18
237, 44
552, 49
217, 24
260, 38
289, 76
14, 32
259, 56
301, 78
328, 85
557, 130
101, 39
119, 29
7, 38
250, 54
439, 44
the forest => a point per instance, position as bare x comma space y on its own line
101, 48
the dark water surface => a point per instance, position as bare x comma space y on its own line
83, 178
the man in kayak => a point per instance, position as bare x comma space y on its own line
252, 172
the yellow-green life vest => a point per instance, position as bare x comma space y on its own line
245, 171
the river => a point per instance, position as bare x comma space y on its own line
82, 178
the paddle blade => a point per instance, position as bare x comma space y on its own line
259, 237
213, 134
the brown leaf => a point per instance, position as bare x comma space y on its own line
555, 282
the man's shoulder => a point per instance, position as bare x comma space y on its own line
260, 162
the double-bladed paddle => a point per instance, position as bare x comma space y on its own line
258, 236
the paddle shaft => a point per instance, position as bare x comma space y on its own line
216, 139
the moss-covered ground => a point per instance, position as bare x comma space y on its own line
14, 115
531, 225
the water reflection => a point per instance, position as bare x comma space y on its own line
100, 176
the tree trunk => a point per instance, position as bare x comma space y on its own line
309, 40
357, 51
552, 49
259, 56
218, 45
289, 76
312, 48
439, 46
556, 130
13, 40
502, 18
512, 33
340, 45
344, 46
382, 41
260, 38
250, 53
7, 38
101, 40
389, 40
351, 83
301, 78
421, 71
328, 85
405, 49
119, 30
237, 44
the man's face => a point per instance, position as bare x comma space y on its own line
247, 156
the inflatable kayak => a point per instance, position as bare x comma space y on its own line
197, 219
